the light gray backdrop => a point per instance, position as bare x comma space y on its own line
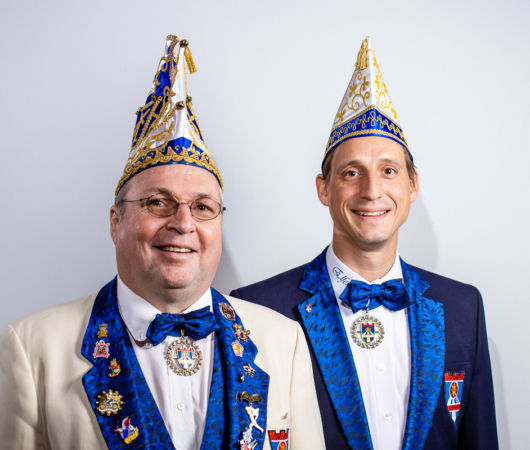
270, 77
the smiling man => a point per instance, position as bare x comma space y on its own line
157, 358
400, 355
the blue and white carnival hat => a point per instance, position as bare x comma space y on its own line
167, 130
366, 109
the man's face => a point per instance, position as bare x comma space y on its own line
159, 257
368, 192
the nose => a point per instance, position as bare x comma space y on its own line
371, 186
182, 221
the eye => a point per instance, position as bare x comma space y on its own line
157, 201
390, 171
351, 173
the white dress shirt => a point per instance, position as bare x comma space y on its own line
181, 400
383, 371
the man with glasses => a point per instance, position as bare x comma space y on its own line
157, 358
400, 355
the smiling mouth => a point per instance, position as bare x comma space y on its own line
370, 213
172, 249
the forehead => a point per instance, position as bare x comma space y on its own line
368, 149
183, 180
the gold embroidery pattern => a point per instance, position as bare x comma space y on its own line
359, 92
364, 124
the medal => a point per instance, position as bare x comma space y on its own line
183, 356
367, 331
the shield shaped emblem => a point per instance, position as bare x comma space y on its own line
454, 383
368, 332
185, 357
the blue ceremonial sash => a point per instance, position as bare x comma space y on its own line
427, 354
325, 329
137, 422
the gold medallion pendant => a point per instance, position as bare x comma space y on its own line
183, 356
367, 331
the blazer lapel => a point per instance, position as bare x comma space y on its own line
427, 346
325, 329
116, 388
237, 407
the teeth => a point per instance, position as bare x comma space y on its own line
176, 249
370, 214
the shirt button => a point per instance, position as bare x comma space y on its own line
388, 417
381, 367
180, 406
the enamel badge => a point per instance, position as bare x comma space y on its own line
128, 431
227, 311
183, 356
109, 402
114, 368
237, 348
102, 330
367, 331
279, 440
454, 382
101, 350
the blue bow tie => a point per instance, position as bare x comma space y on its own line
196, 324
390, 294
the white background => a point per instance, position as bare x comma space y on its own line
270, 77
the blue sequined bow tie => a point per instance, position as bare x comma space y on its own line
390, 294
196, 324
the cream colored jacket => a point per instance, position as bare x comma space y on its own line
44, 404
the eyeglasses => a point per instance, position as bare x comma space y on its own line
161, 205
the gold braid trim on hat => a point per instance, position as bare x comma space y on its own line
173, 155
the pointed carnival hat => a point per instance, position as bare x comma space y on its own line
366, 109
167, 130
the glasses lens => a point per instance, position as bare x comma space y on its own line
161, 205
205, 209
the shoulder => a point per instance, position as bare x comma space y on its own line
281, 283
260, 317
441, 285
55, 324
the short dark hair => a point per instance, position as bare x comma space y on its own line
411, 168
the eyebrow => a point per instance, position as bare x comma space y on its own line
358, 162
164, 191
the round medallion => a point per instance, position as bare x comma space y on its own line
367, 331
183, 356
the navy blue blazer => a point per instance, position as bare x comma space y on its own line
448, 336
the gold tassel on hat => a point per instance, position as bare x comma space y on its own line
362, 58
189, 58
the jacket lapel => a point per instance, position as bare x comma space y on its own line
427, 346
116, 388
325, 329
238, 389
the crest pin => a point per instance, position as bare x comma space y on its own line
114, 368
102, 330
237, 348
279, 439
128, 431
227, 311
101, 350
241, 333
249, 370
454, 383
109, 402
308, 308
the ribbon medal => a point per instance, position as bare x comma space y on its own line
183, 356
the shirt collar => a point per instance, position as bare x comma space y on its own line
138, 313
341, 274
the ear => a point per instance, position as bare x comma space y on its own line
414, 188
114, 222
322, 190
